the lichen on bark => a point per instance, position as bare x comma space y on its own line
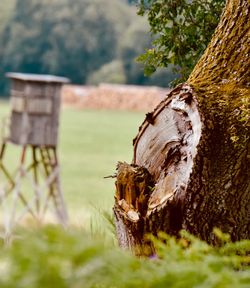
221, 80
222, 76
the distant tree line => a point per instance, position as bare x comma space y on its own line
88, 41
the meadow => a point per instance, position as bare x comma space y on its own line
90, 144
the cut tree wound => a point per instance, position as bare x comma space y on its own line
167, 147
163, 157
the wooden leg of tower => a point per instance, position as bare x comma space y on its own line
2, 150
58, 196
35, 168
16, 190
47, 170
51, 168
45, 184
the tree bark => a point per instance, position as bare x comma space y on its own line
191, 155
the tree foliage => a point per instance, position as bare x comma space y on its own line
6, 9
182, 30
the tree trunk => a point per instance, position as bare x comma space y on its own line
191, 156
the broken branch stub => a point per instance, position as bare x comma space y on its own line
153, 186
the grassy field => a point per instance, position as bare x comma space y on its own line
90, 144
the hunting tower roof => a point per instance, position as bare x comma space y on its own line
37, 78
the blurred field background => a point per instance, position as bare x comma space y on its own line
91, 42
91, 142
88, 41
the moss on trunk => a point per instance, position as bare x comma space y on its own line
221, 78
195, 145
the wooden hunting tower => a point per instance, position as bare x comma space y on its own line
34, 121
35, 104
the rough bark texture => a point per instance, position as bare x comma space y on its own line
191, 155
219, 192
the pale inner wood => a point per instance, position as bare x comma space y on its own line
167, 148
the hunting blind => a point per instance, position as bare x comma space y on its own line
34, 121
35, 104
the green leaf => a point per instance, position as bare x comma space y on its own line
149, 70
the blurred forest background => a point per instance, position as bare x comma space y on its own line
88, 41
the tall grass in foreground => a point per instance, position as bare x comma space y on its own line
55, 258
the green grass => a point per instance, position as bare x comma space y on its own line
90, 144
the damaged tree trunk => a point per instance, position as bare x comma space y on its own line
191, 156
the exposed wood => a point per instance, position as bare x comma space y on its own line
195, 147
164, 150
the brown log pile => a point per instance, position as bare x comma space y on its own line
113, 97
